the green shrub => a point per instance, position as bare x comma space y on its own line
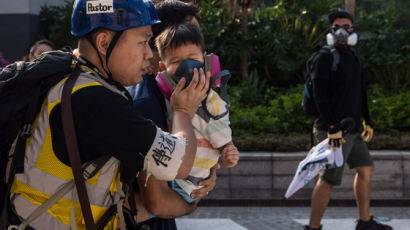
281, 112
273, 142
283, 34
389, 111
301, 142
279, 124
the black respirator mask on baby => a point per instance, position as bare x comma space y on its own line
219, 78
342, 36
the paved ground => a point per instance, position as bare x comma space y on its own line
284, 218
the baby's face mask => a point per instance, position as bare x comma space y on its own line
219, 78
186, 70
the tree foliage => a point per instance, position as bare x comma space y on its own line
56, 24
283, 34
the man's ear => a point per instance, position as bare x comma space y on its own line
162, 66
102, 41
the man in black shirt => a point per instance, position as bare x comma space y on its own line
341, 94
113, 47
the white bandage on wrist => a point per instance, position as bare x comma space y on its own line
165, 156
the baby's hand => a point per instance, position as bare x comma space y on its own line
230, 155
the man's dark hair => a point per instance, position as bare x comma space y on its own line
178, 35
340, 14
40, 42
172, 12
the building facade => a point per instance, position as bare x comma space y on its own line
19, 26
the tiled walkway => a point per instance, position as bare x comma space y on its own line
284, 218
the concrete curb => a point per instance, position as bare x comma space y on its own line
266, 176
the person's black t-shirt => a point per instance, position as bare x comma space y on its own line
160, 224
149, 101
339, 94
106, 124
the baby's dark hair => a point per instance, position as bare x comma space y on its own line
178, 35
172, 12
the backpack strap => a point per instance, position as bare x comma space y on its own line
72, 148
74, 155
26, 131
224, 77
27, 128
336, 56
120, 203
312, 59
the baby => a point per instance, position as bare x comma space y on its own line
214, 136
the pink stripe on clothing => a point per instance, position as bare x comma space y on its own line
204, 143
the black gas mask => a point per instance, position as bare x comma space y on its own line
342, 36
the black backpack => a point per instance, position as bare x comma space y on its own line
308, 102
23, 87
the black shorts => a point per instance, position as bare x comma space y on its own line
355, 154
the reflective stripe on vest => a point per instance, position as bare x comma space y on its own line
44, 173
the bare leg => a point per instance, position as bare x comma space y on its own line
362, 189
320, 200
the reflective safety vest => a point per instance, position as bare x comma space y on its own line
44, 173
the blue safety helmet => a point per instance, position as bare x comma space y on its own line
116, 15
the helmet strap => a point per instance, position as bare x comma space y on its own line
88, 36
107, 71
111, 46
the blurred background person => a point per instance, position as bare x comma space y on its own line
40, 47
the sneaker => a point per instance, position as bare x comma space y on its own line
307, 227
371, 225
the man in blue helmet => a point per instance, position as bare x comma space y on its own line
113, 47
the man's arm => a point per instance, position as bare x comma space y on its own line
182, 119
160, 200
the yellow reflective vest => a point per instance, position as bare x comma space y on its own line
44, 173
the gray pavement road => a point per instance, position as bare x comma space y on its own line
284, 218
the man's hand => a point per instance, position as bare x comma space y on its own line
367, 133
335, 138
187, 100
208, 184
230, 155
